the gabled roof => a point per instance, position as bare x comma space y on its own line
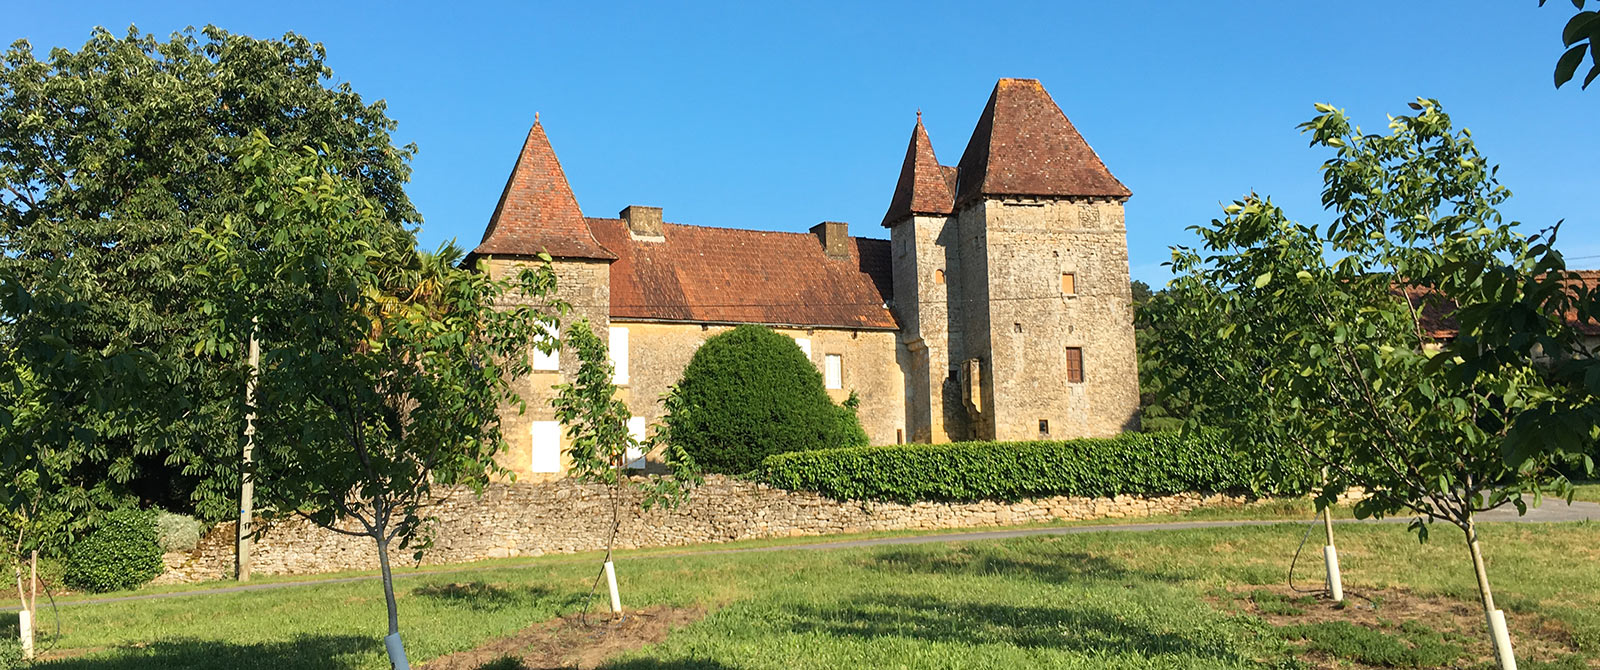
537, 211
923, 187
723, 275
1024, 145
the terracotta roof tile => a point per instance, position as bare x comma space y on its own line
537, 211
923, 188
723, 275
1438, 316
1024, 145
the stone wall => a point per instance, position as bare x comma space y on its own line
532, 519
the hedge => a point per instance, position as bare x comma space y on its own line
122, 553
1131, 463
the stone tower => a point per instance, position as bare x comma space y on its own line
1011, 281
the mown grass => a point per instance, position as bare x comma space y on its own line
1095, 600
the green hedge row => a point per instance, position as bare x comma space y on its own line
1131, 463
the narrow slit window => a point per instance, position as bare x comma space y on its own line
938, 276
1074, 365
1044, 426
833, 371
1069, 283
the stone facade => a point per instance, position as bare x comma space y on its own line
564, 517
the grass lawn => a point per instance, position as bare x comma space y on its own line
1172, 599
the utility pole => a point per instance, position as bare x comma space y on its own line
247, 485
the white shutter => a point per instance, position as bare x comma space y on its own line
543, 361
833, 371
805, 345
635, 456
546, 446
619, 355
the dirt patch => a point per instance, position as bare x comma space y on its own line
1414, 622
567, 643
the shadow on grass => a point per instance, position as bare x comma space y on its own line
1053, 567
678, 664
482, 597
1077, 629
307, 652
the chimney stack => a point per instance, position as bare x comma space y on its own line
642, 221
835, 236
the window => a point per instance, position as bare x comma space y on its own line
833, 372
1074, 365
546, 362
805, 345
1069, 283
1044, 426
635, 455
938, 276
546, 447
619, 355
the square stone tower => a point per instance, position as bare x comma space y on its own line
1011, 281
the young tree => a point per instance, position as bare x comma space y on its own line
383, 370
601, 445
109, 155
1321, 338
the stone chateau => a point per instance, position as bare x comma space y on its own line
998, 309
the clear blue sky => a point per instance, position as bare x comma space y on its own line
761, 115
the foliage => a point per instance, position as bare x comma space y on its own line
749, 393
597, 423
1131, 463
109, 155
178, 532
383, 370
1315, 338
121, 553
1161, 408
1581, 35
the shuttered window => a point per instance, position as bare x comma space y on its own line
1074, 365
619, 355
546, 455
833, 371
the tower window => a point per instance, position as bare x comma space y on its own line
1069, 283
938, 276
1074, 365
1017, 326
1044, 426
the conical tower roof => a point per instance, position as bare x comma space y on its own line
1024, 145
537, 211
922, 188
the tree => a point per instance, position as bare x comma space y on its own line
383, 369
751, 392
109, 155
601, 445
1321, 338
1581, 35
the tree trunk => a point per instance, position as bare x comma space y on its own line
1498, 638
388, 585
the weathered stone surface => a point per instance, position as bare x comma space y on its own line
533, 519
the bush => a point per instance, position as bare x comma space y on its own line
750, 393
1131, 463
177, 532
121, 553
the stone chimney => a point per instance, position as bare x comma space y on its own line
642, 221
835, 236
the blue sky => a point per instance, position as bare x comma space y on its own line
777, 116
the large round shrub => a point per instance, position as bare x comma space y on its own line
121, 553
749, 393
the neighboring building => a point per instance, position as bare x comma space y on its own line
999, 308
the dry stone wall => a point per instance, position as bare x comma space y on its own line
532, 519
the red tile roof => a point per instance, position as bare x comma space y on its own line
1438, 321
537, 211
923, 187
723, 275
1024, 145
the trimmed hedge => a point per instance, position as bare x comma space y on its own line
1131, 463
122, 553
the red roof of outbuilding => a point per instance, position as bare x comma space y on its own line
1024, 145
724, 275
923, 187
537, 211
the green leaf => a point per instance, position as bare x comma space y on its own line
1568, 64
1577, 27
1263, 280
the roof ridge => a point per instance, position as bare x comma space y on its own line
537, 211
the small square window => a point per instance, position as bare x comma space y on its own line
938, 276
1074, 365
1069, 283
1044, 426
1017, 326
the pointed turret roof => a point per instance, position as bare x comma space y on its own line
537, 211
923, 188
1024, 145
